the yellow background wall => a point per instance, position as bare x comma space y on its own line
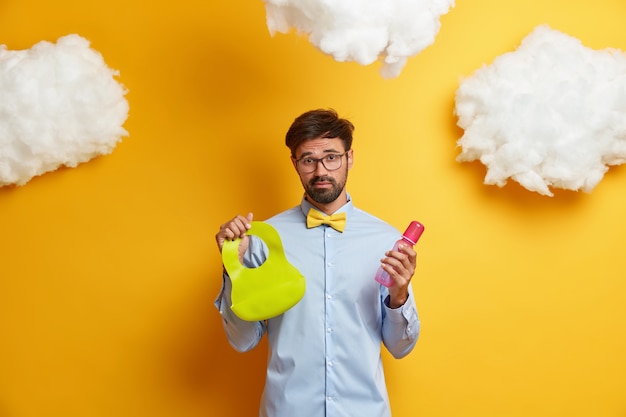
108, 271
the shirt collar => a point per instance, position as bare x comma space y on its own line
347, 208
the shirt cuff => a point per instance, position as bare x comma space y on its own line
224, 294
403, 314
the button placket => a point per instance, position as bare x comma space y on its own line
329, 314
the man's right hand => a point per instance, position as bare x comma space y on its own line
233, 229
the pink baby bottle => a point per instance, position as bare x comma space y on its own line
410, 238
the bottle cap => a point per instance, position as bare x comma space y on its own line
414, 231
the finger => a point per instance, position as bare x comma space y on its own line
400, 264
410, 253
398, 274
397, 258
230, 230
393, 266
237, 227
407, 250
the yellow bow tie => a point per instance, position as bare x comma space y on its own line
337, 221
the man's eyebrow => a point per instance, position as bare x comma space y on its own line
326, 151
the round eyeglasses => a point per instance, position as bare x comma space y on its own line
331, 162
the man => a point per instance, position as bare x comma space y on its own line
325, 352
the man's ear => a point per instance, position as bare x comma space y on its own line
293, 162
350, 157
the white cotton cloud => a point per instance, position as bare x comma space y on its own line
60, 106
363, 31
551, 114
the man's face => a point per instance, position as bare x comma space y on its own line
323, 185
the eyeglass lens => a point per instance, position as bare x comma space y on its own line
330, 162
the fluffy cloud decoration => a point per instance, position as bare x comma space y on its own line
550, 114
60, 105
362, 30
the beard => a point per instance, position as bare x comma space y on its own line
327, 195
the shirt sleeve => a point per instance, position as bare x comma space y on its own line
241, 334
401, 326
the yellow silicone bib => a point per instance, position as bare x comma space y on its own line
265, 291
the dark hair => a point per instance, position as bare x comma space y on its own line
320, 123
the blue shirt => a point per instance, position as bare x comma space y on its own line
324, 356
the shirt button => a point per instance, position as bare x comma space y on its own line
329, 330
329, 296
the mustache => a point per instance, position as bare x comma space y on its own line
322, 179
